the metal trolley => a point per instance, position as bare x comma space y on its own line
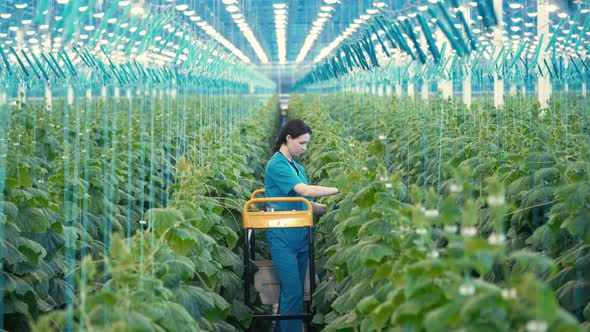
261, 219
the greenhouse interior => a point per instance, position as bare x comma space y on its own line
135, 136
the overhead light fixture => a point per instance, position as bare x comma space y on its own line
552, 8
279, 5
327, 8
232, 8
138, 10
330, 2
280, 29
349, 31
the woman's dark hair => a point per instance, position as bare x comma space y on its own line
293, 128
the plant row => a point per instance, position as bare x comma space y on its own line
450, 218
101, 208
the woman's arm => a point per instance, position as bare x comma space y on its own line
314, 191
319, 209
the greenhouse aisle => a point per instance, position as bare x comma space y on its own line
133, 133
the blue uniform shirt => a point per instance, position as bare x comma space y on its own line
280, 178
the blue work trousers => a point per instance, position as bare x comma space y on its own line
291, 267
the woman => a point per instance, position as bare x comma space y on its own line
289, 247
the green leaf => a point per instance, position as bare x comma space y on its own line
578, 171
537, 196
350, 299
50, 240
565, 322
349, 227
443, 318
377, 148
241, 312
546, 175
176, 266
230, 259
8, 209
184, 237
482, 261
137, 321
477, 304
538, 160
32, 220
171, 316
382, 314
420, 301
14, 284
367, 304
162, 219
383, 271
373, 253
13, 305
536, 297
207, 266
574, 294
577, 224
33, 250
11, 254
532, 262
230, 237
365, 198
23, 177
344, 323
201, 303
231, 284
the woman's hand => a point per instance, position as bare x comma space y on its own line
318, 209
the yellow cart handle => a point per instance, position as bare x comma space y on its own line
277, 219
256, 192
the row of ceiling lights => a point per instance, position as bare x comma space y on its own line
234, 9
54, 44
316, 30
351, 29
280, 24
280, 10
210, 30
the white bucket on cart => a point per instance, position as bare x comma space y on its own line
266, 282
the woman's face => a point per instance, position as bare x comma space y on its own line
298, 145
